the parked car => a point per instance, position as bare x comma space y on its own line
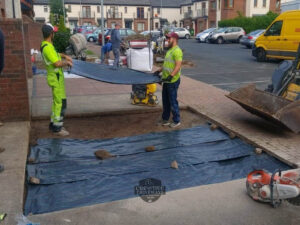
92, 37
201, 37
124, 32
183, 33
154, 33
281, 38
249, 39
232, 34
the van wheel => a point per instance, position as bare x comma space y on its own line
261, 55
187, 36
220, 40
91, 39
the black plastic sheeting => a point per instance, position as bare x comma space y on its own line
71, 176
105, 73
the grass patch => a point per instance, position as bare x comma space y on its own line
89, 52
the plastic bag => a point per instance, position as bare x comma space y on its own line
22, 220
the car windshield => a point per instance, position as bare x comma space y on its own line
220, 30
256, 32
208, 30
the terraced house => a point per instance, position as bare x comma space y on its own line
139, 15
143, 15
202, 14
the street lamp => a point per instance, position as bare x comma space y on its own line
64, 12
102, 30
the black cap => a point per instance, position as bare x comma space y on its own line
47, 29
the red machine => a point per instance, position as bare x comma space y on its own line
265, 187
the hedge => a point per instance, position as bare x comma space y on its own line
250, 23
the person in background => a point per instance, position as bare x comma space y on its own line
171, 72
105, 50
116, 44
55, 78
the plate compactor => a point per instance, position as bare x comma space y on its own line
144, 94
280, 102
273, 188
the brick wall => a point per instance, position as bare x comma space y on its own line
14, 100
34, 33
201, 25
187, 23
273, 7
110, 21
229, 13
212, 13
87, 20
136, 21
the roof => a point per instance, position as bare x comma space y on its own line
167, 3
154, 3
97, 2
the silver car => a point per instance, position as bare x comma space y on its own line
249, 39
227, 34
201, 37
183, 33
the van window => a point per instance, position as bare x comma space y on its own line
275, 29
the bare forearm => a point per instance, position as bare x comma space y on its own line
60, 64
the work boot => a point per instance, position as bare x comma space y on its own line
163, 123
63, 132
174, 125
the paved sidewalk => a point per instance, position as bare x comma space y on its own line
85, 97
212, 103
15, 140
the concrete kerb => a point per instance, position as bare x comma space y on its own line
230, 129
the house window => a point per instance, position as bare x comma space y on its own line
228, 3
140, 27
140, 12
264, 3
158, 10
255, 3
98, 9
125, 9
45, 8
180, 10
189, 9
156, 25
203, 5
86, 12
277, 4
213, 5
69, 8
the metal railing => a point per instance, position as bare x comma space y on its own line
87, 14
114, 15
202, 12
140, 15
188, 14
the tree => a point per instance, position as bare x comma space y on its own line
56, 11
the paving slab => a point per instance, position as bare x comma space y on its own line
15, 140
224, 203
85, 97
211, 102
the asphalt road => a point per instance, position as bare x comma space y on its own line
227, 66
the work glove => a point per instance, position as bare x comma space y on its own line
157, 73
168, 79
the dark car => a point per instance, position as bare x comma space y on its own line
124, 32
249, 39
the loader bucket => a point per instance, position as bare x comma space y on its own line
276, 109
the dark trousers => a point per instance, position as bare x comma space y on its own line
116, 52
170, 103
